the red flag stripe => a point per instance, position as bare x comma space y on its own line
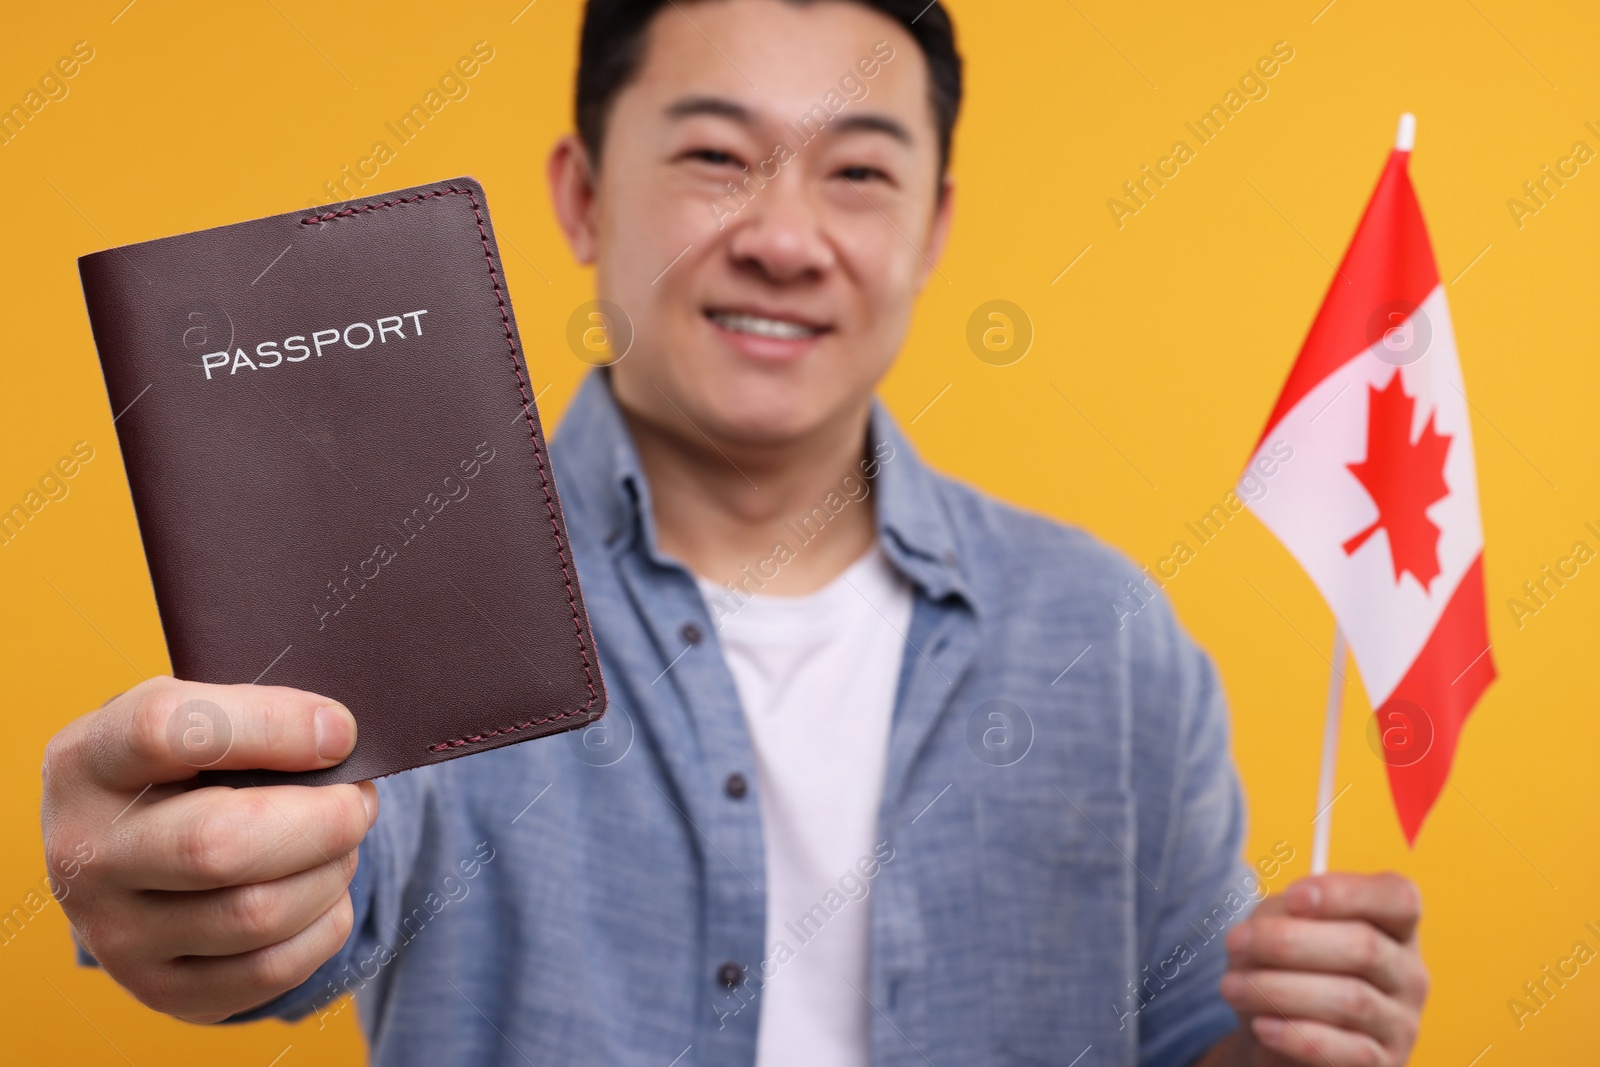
1446, 679
1388, 267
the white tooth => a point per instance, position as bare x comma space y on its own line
763, 327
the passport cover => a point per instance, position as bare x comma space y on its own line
340, 477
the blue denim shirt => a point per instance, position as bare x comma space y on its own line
1061, 819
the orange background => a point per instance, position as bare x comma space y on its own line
1155, 360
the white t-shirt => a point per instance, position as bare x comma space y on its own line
817, 676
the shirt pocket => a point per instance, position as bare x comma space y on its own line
1058, 910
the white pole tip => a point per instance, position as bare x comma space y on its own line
1406, 137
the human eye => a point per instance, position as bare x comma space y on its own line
714, 157
859, 174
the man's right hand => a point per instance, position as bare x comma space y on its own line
204, 902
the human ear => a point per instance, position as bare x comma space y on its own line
572, 193
938, 228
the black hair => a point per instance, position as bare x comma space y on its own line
611, 48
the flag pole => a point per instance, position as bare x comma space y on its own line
1323, 822
1405, 139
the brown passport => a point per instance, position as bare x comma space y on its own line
340, 477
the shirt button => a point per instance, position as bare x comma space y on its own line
736, 786
730, 974
691, 633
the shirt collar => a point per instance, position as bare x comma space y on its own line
600, 477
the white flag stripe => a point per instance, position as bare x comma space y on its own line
1316, 504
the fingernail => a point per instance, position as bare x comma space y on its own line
1268, 1025
369, 800
336, 732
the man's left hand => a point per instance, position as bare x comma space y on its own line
1328, 973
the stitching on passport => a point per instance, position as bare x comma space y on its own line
538, 455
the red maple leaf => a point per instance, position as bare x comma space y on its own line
1404, 479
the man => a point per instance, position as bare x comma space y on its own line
847, 806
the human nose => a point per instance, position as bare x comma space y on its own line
781, 233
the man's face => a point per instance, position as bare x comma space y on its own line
763, 311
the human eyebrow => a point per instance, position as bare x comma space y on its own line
871, 122
690, 106
856, 122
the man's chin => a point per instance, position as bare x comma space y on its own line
744, 409
765, 425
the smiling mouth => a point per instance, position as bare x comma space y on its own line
763, 326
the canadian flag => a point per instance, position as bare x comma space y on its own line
1378, 499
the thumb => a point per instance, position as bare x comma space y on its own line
165, 730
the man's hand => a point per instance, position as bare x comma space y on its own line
204, 902
1328, 973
